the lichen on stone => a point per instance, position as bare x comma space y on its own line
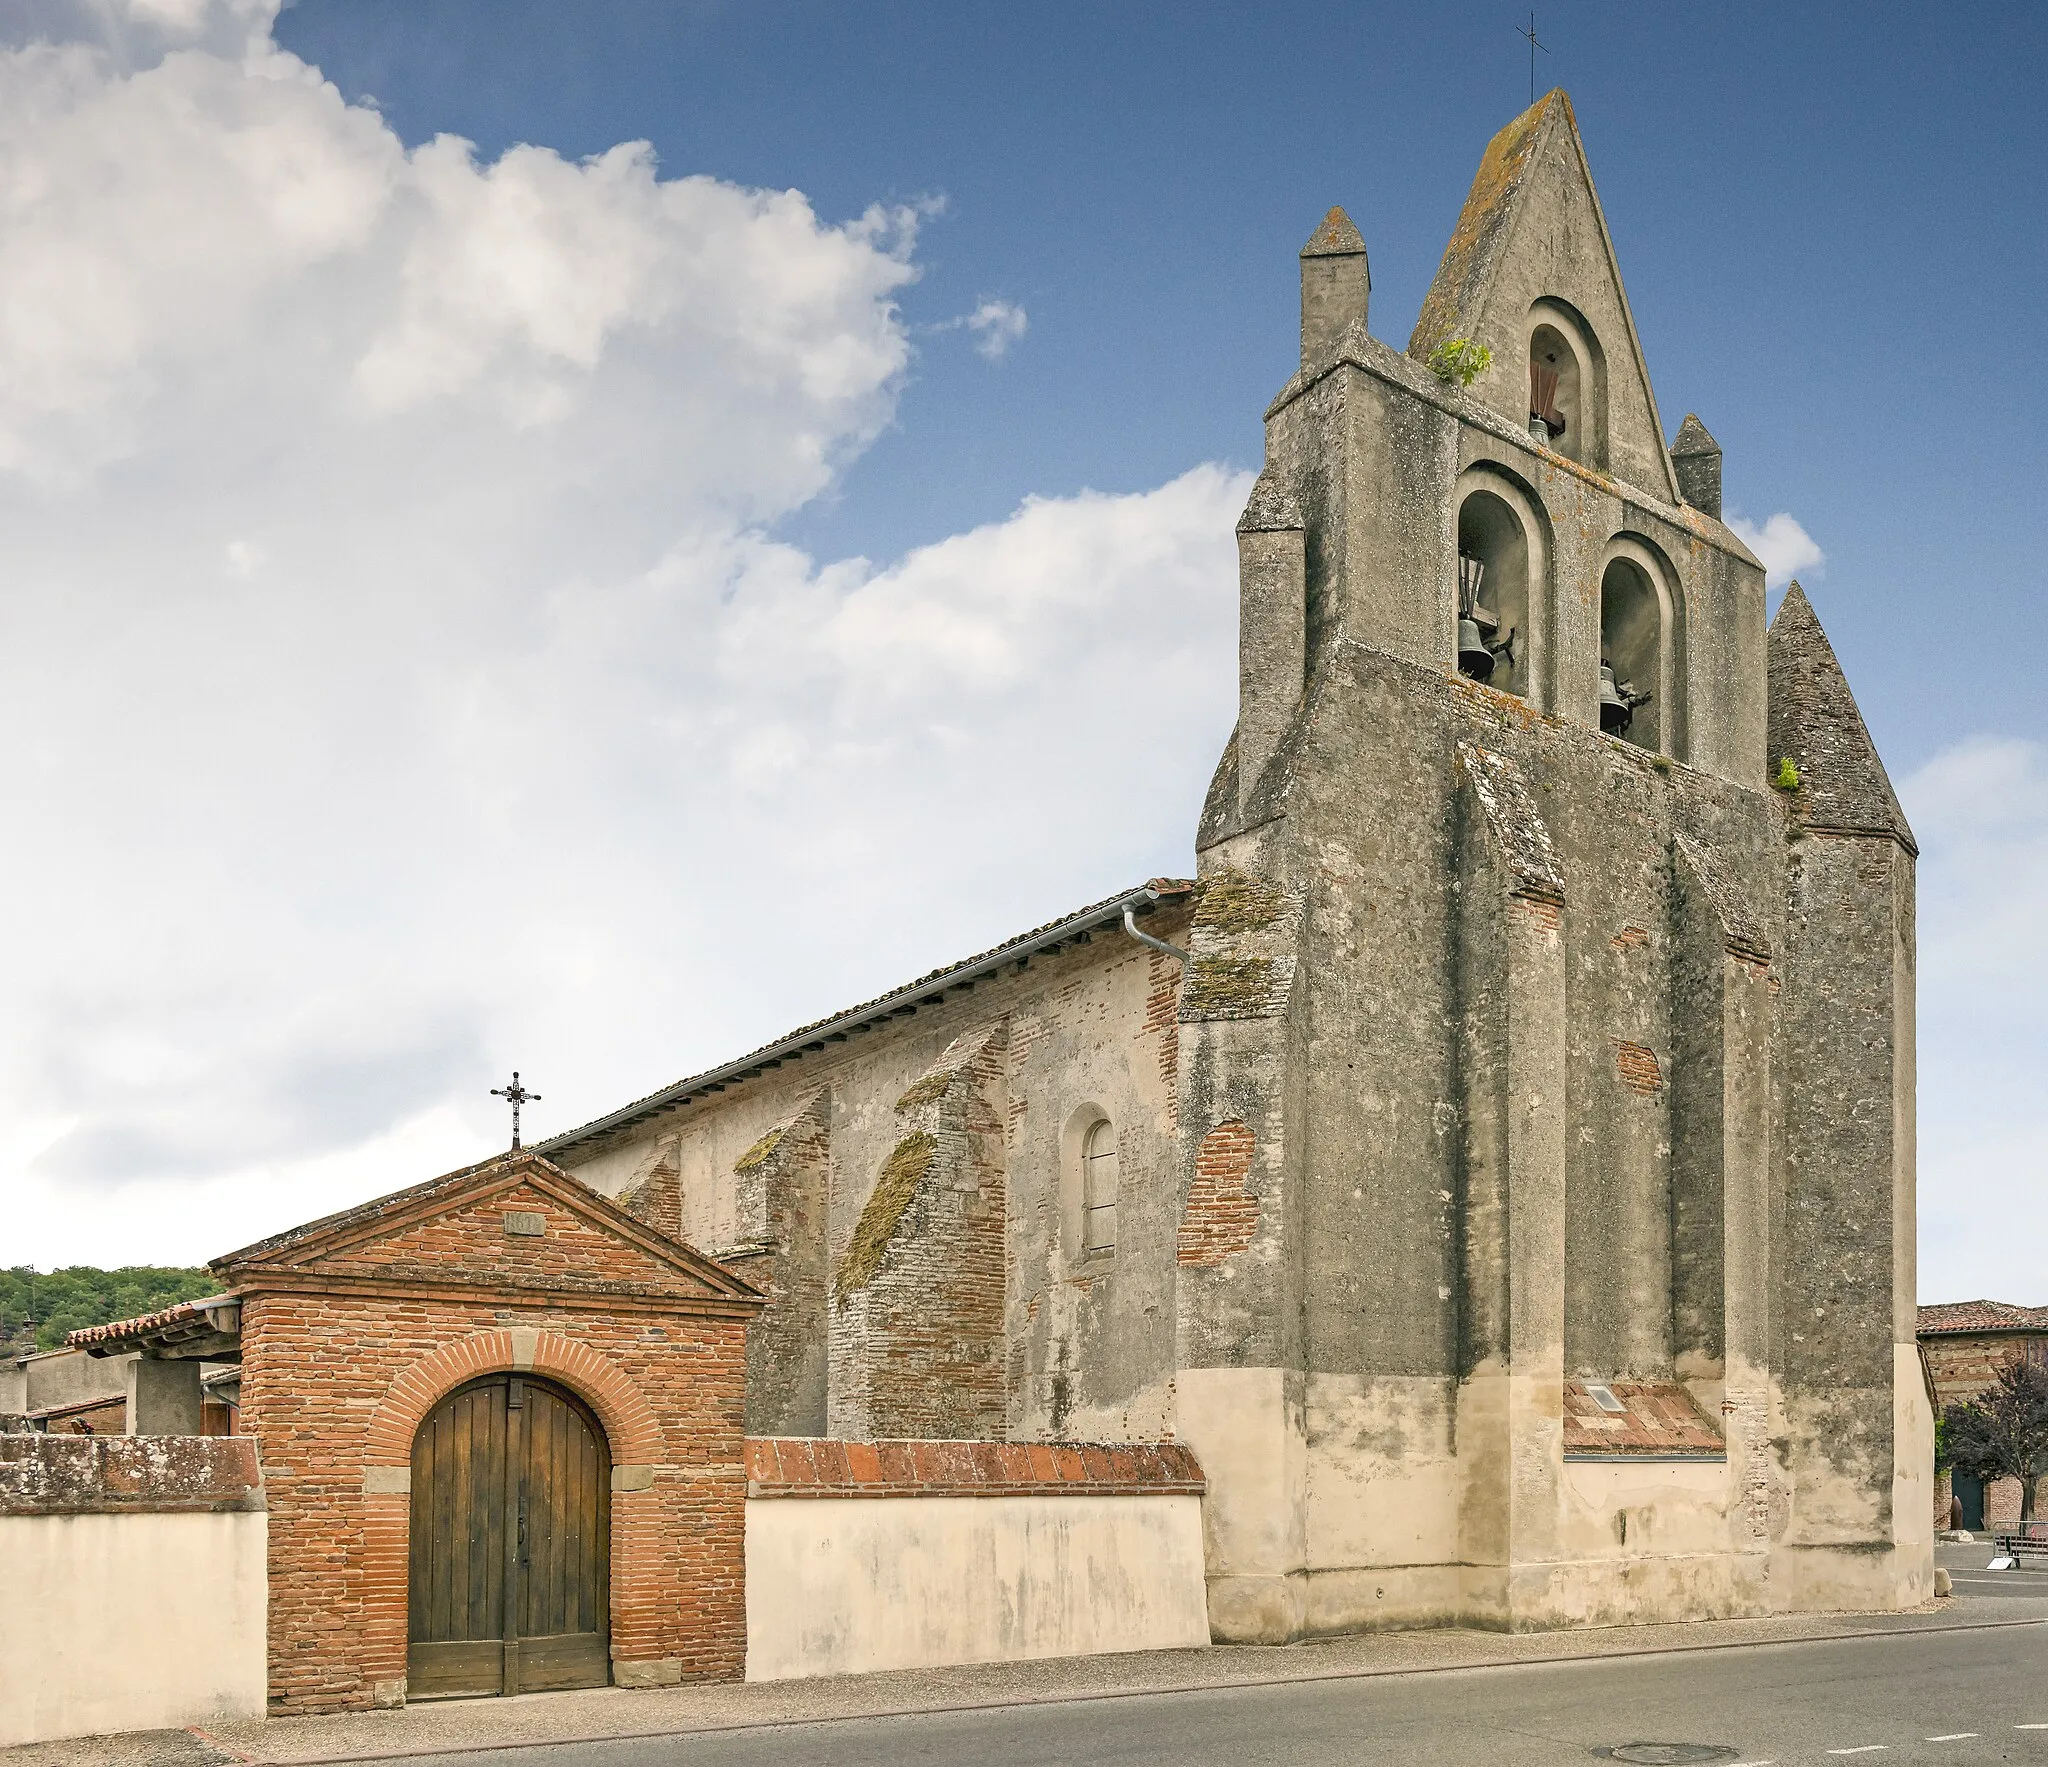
897, 1183
1229, 987
932, 1086
757, 1155
1234, 903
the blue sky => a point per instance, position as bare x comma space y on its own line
1831, 224
481, 594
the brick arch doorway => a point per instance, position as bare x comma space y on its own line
509, 1575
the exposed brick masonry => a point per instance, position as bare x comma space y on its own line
1638, 1068
917, 1326
1221, 1215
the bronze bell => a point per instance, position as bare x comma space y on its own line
1474, 658
1476, 626
1615, 710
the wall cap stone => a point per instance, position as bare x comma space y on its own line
103, 1475
789, 1466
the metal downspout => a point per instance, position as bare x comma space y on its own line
1144, 938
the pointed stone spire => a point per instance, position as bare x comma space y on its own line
1696, 458
1843, 787
1335, 284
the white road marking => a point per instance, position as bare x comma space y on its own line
1956, 1736
1752, 1764
2030, 1727
1869, 1748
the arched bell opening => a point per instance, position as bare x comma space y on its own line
1495, 636
1636, 676
1567, 384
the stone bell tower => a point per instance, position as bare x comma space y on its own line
1552, 991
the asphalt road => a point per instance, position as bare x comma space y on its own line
1957, 1698
1965, 1563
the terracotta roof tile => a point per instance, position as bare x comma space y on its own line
1658, 1418
1974, 1316
124, 1328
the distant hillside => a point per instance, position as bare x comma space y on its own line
78, 1295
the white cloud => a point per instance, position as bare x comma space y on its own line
996, 326
1782, 546
1980, 811
403, 681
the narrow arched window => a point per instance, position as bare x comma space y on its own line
1098, 1188
1567, 383
1556, 409
1634, 678
1494, 604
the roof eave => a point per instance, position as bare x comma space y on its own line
814, 1039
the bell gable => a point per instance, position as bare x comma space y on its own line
1530, 273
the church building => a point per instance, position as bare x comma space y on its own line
1482, 1195
1496, 1164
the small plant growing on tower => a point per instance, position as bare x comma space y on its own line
1459, 359
1787, 776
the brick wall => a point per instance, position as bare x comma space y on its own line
793, 1467
782, 1197
343, 1358
161, 1475
917, 1327
657, 1198
1221, 1215
1083, 1351
1963, 1365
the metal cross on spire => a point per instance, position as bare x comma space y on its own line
516, 1095
1530, 33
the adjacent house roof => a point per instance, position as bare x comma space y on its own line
1957, 1317
927, 990
189, 1328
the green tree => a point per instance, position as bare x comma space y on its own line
67, 1300
2003, 1432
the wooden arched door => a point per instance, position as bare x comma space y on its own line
510, 1576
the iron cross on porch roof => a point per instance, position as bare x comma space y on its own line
516, 1095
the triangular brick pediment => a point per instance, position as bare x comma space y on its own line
1532, 230
518, 1220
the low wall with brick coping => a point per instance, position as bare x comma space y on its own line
134, 1591
898, 1555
